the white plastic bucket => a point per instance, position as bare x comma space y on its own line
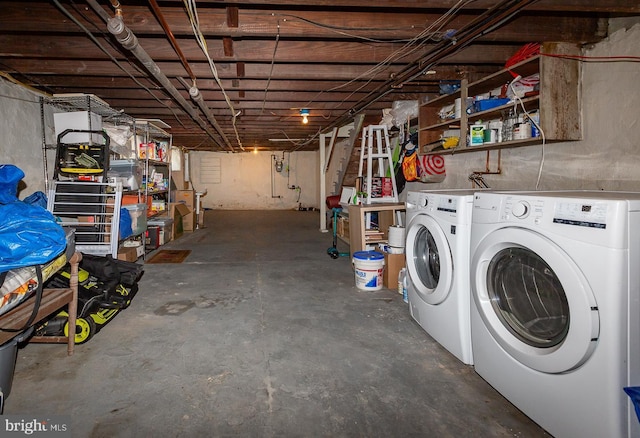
368, 266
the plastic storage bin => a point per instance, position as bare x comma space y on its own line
128, 172
138, 213
165, 225
486, 104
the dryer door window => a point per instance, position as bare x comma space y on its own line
534, 300
429, 260
528, 297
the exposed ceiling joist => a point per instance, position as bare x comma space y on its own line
272, 58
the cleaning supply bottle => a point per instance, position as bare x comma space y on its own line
402, 284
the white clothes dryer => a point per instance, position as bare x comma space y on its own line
437, 254
555, 314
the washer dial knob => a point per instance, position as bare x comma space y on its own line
520, 209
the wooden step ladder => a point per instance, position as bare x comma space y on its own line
380, 156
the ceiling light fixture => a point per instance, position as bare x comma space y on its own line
304, 112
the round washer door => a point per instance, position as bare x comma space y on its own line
534, 300
429, 259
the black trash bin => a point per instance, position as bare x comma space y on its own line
8, 355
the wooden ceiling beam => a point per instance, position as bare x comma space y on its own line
331, 55
232, 17
227, 47
256, 94
443, 72
328, 25
625, 6
175, 69
312, 52
252, 105
247, 105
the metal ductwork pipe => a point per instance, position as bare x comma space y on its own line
128, 40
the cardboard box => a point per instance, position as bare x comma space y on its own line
178, 211
187, 197
178, 179
128, 253
189, 221
392, 265
342, 227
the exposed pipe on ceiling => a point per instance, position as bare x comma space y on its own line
194, 92
172, 38
196, 96
129, 41
117, 7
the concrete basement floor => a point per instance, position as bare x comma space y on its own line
260, 333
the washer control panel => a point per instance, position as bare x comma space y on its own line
535, 210
516, 209
591, 215
448, 204
418, 201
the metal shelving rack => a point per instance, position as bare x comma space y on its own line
142, 130
149, 131
92, 208
82, 102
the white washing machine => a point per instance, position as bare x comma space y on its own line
437, 253
555, 315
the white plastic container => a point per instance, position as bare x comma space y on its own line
80, 120
369, 267
396, 236
522, 131
401, 276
